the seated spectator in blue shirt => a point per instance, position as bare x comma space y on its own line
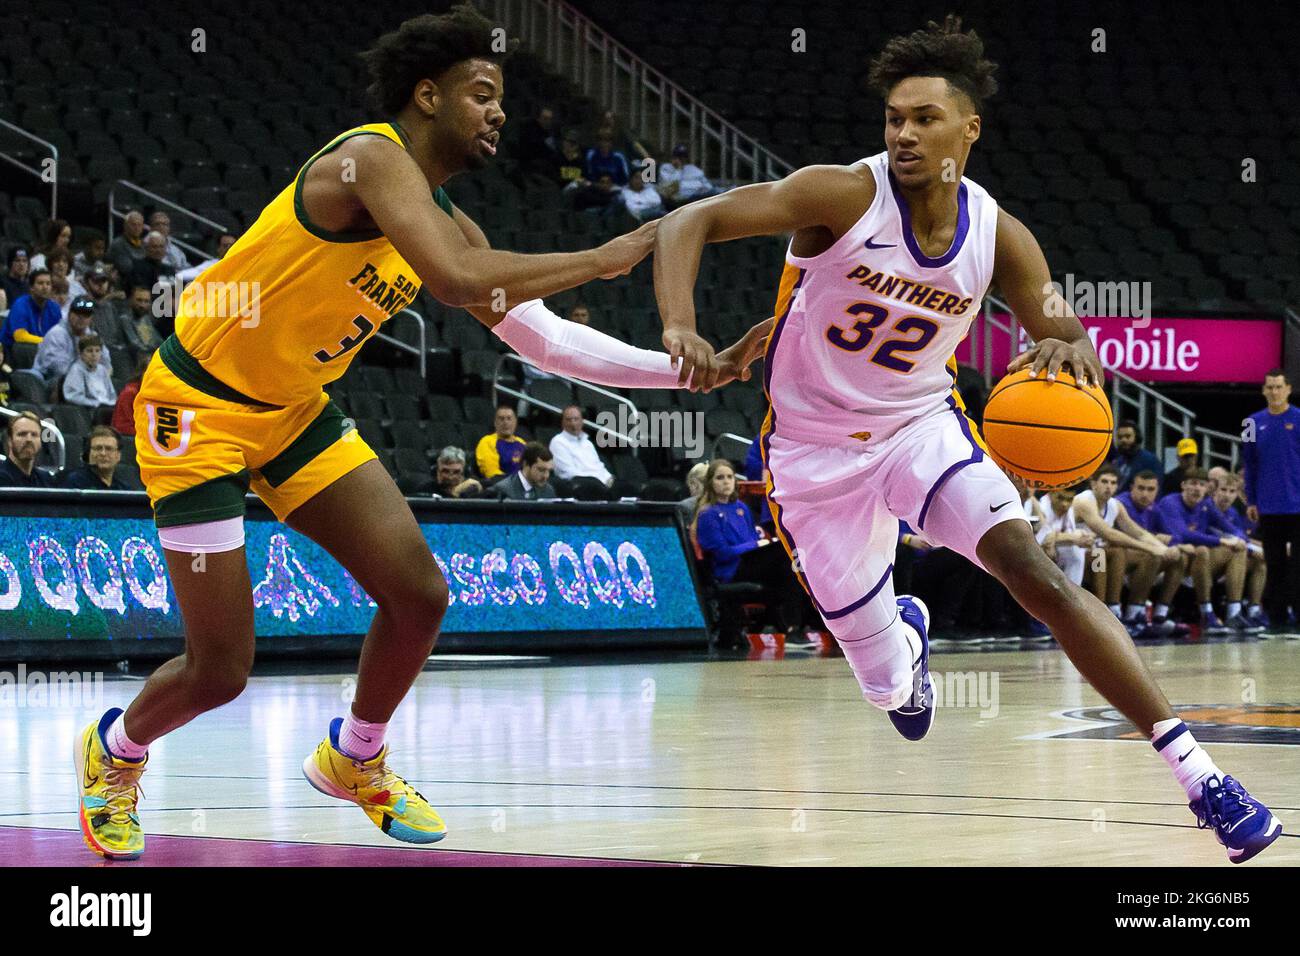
1140, 504
1128, 455
1225, 498
23, 447
58, 350
33, 314
604, 160
1140, 500
725, 531
103, 454
1190, 519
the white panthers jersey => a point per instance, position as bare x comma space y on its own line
1111, 511
867, 331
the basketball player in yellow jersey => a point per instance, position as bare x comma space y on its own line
889, 261
233, 401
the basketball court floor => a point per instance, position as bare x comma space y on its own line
702, 761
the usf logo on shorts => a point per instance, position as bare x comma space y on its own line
169, 429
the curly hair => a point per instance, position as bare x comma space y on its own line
425, 47
938, 50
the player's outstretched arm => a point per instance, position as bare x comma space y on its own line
567, 348
815, 196
1020, 271
394, 192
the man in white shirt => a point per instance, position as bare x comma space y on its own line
681, 181
578, 464
640, 202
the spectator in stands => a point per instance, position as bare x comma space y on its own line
641, 203
569, 170
1190, 519
604, 160
60, 265
128, 248
1272, 468
1187, 454
578, 464
6, 378
681, 181
499, 454
33, 314
23, 447
694, 485
93, 253
124, 411
1139, 503
14, 282
1128, 548
729, 540
153, 266
58, 350
59, 293
137, 324
611, 125
103, 455
57, 235
161, 223
450, 478
539, 150
222, 246
1129, 456
88, 382
532, 481
99, 286
1224, 498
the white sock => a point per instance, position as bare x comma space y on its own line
1133, 610
1189, 762
360, 739
1162, 610
882, 662
120, 745
1115, 609
1234, 608
1207, 608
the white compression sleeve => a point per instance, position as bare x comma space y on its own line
556, 345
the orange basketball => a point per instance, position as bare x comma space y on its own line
1051, 434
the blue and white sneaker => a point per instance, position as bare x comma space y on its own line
914, 719
1210, 624
1241, 823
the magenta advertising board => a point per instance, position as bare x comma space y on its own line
1188, 350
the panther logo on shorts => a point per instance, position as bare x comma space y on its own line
166, 423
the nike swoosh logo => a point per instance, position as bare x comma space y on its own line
1186, 755
879, 245
88, 781
1001, 506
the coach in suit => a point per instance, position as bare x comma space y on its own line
532, 481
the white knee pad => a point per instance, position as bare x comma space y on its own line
881, 661
208, 537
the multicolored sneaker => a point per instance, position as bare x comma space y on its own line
1241, 823
390, 802
915, 718
110, 792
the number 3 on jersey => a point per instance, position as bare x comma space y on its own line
363, 326
858, 336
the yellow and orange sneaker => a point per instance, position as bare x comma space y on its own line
109, 790
390, 802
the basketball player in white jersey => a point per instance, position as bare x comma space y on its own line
1128, 548
1060, 536
889, 261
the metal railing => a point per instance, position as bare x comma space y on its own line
652, 106
35, 171
421, 352
114, 213
730, 436
49, 431
1160, 420
499, 389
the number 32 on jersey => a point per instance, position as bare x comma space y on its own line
862, 333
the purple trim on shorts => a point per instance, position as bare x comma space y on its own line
958, 238
832, 615
976, 456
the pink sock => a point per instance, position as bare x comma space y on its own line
120, 745
360, 739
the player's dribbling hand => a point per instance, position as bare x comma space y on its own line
625, 251
693, 357
1052, 354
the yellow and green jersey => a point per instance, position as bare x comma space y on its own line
285, 311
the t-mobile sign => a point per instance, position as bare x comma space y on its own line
1186, 350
